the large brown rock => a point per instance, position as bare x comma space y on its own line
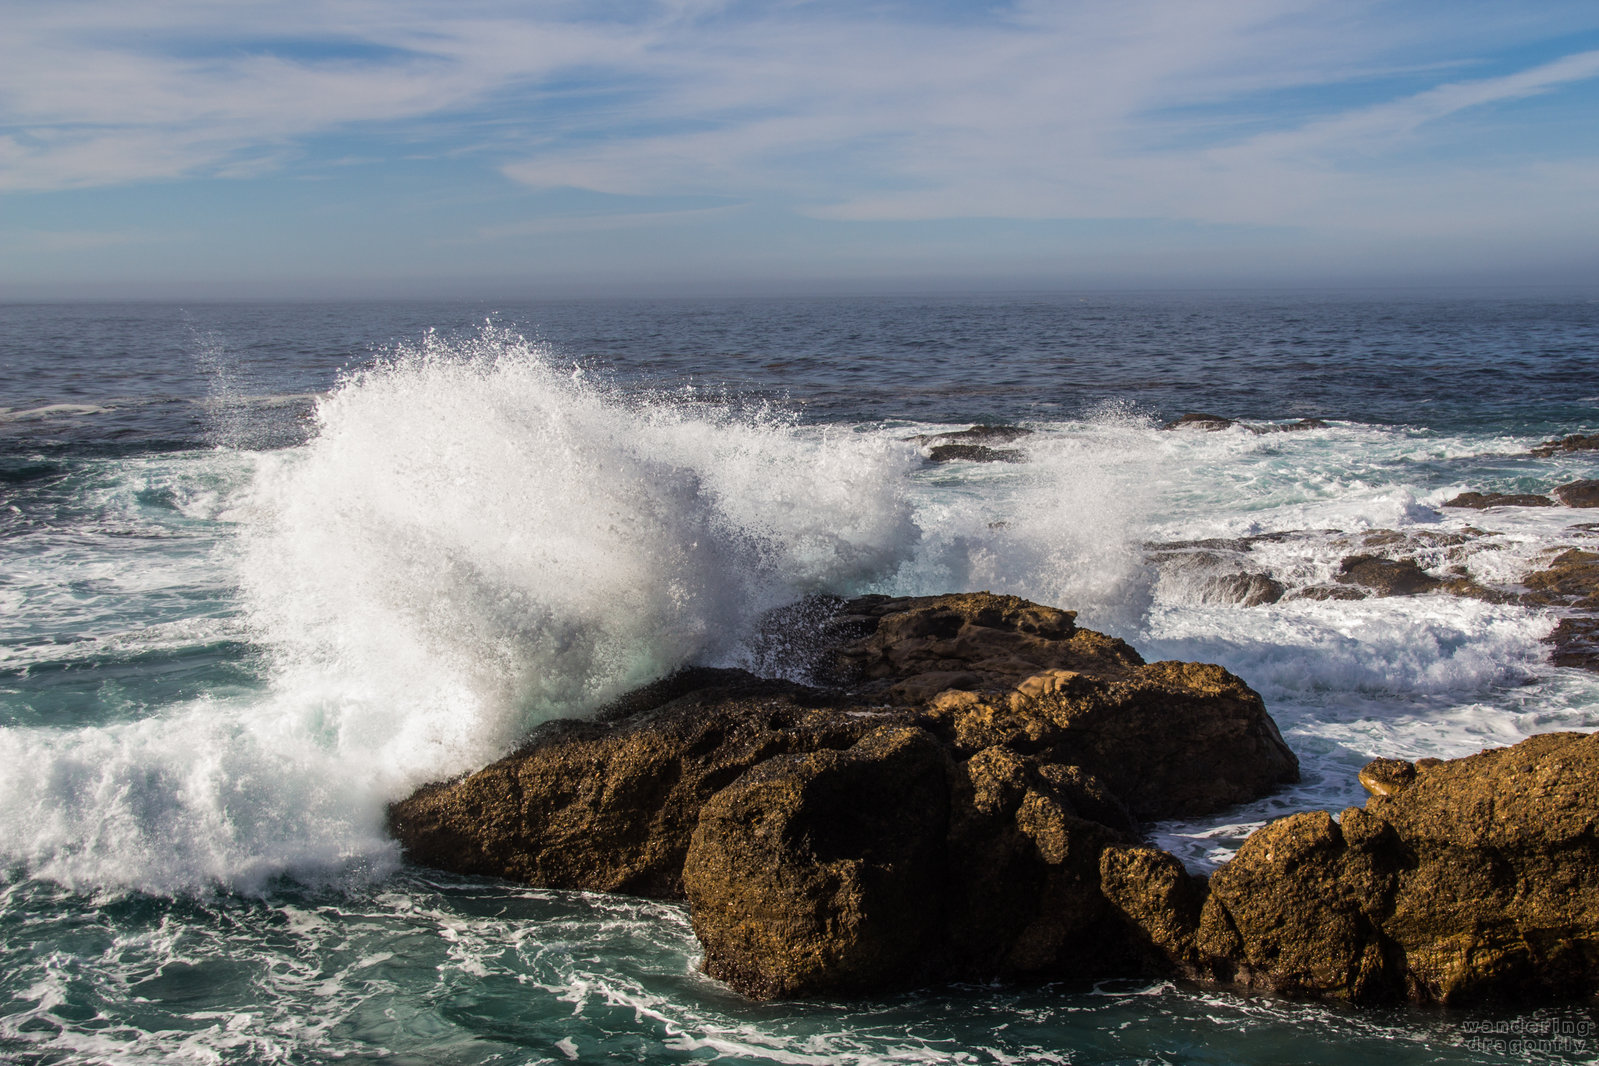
1579, 493
1465, 881
935, 807
959, 796
609, 805
813, 871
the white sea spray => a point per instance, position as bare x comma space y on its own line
473, 540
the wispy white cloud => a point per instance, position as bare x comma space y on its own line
596, 223
1288, 113
1372, 129
49, 241
92, 96
1065, 111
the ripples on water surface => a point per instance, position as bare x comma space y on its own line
264, 569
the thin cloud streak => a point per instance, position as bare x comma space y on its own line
597, 223
82, 113
1358, 119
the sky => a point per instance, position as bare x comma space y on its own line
345, 148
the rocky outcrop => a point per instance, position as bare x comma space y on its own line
958, 793
1465, 881
1386, 577
1575, 442
1481, 501
1579, 493
609, 805
1212, 423
972, 453
1570, 580
934, 806
973, 445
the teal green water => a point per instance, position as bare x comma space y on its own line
432, 969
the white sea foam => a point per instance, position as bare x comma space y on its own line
1062, 528
49, 411
474, 540
209, 794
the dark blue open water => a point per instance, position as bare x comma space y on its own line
267, 567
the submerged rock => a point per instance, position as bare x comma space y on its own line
1386, 577
1212, 423
1480, 501
972, 445
1000, 434
1248, 589
1217, 572
1197, 420
973, 453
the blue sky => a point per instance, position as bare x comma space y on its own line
408, 147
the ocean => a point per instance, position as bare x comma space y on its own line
268, 567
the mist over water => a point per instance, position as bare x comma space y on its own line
367, 566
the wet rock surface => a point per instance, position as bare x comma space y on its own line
1579, 493
1570, 580
1466, 881
1199, 420
934, 807
985, 434
1212, 423
1481, 501
1386, 577
974, 445
958, 796
1575, 442
1217, 572
972, 453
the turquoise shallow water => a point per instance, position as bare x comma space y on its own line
437, 969
263, 569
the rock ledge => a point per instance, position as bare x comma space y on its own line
957, 795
